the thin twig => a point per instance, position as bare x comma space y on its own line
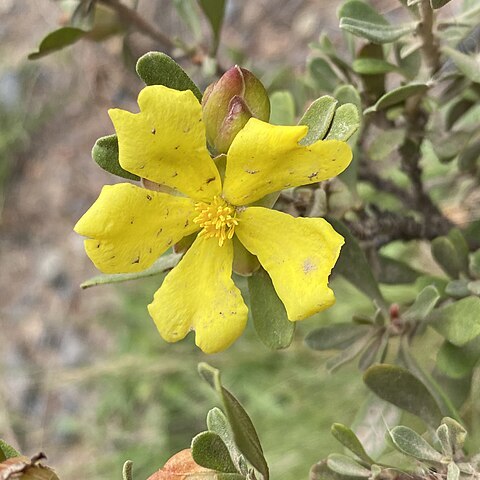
425, 30
131, 17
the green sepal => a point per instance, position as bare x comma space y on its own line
105, 154
58, 39
270, 319
157, 68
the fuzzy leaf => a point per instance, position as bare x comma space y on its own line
163, 264
215, 11
348, 439
439, 4
244, 432
157, 68
446, 256
318, 117
346, 122
372, 66
282, 108
412, 444
398, 95
335, 337
458, 322
56, 40
376, 33
323, 76
423, 305
398, 386
353, 265
346, 466
209, 451
469, 65
105, 154
268, 312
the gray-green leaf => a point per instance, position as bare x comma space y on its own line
157, 68
346, 122
348, 439
215, 11
346, 466
398, 386
412, 444
209, 451
105, 154
318, 117
269, 315
56, 40
336, 337
458, 322
398, 95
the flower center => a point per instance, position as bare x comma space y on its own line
218, 219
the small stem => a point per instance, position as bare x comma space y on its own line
130, 16
430, 50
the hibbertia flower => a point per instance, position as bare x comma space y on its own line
129, 227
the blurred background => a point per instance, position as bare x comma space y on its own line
84, 375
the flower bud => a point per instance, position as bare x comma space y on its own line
229, 103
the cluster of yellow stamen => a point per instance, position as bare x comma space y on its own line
218, 219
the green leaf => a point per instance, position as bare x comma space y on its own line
56, 40
353, 265
468, 159
244, 432
453, 472
458, 322
398, 95
458, 288
446, 256
282, 107
467, 64
7, 451
348, 94
372, 66
320, 471
163, 264
215, 11
376, 33
269, 315
461, 248
105, 154
438, 4
336, 337
348, 439
444, 439
157, 68
423, 305
401, 388
474, 264
457, 362
346, 466
456, 432
448, 147
217, 422
318, 117
322, 74
209, 451
393, 272
372, 422
346, 122
385, 143
412, 444
189, 14
360, 9
349, 353
127, 471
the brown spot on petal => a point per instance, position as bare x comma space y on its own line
309, 266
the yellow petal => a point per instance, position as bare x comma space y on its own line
297, 253
199, 294
266, 158
165, 142
130, 227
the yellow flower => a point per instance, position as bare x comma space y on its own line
129, 227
